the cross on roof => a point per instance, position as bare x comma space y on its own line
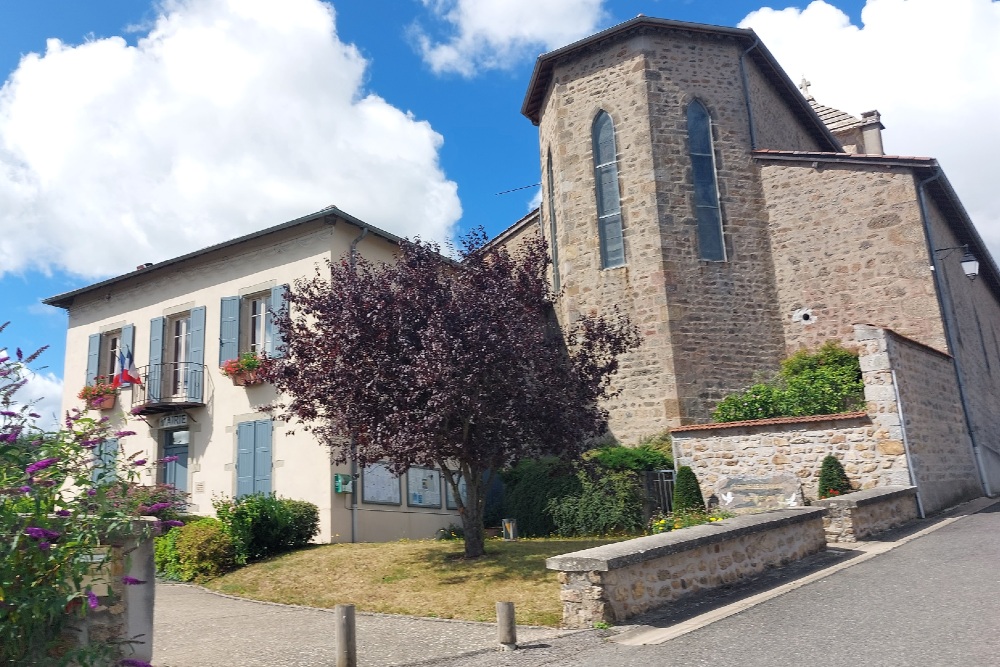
804, 87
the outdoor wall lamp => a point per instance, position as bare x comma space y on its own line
970, 265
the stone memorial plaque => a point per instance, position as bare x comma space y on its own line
748, 494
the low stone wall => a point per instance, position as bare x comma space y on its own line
863, 514
614, 582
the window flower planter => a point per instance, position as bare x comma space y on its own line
105, 402
246, 378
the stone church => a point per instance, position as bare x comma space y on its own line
687, 180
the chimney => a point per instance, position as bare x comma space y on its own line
871, 132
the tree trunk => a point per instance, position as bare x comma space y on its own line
471, 509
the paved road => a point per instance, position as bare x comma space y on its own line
932, 601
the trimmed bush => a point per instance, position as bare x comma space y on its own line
832, 478
636, 459
204, 550
303, 522
168, 564
262, 525
687, 493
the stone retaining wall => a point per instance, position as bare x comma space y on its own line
861, 515
614, 582
870, 454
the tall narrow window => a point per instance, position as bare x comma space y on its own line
706, 188
609, 212
553, 243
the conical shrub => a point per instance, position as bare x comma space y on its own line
687, 493
832, 478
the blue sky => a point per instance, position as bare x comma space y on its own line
153, 129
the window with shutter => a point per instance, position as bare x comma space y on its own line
253, 457
609, 217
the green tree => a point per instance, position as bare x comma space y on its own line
832, 478
687, 492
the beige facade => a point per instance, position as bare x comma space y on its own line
193, 403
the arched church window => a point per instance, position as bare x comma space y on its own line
553, 243
706, 187
609, 212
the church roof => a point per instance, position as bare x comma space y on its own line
835, 119
541, 76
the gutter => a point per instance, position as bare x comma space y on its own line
945, 304
746, 92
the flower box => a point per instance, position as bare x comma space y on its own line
105, 402
246, 378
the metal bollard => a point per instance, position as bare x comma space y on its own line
347, 649
506, 629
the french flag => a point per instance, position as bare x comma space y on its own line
127, 372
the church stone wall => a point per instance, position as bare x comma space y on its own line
848, 246
613, 80
976, 315
775, 125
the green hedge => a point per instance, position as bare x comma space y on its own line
262, 525
823, 382
197, 551
832, 478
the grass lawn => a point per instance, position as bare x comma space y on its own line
419, 578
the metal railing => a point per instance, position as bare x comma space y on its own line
169, 385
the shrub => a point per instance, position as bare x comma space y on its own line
303, 522
687, 493
53, 525
262, 525
609, 502
823, 382
636, 459
452, 532
168, 564
832, 478
204, 550
530, 486
168, 502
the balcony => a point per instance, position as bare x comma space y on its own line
169, 387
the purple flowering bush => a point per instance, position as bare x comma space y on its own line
55, 525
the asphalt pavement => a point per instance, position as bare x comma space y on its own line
926, 595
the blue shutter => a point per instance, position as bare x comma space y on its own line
93, 357
244, 458
106, 454
154, 379
196, 355
229, 329
127, 345
262, 456
273, 333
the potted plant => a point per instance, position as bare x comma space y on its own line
244, 370
100, 395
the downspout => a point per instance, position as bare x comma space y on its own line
746, 92
944, 303
353, 258
902, 427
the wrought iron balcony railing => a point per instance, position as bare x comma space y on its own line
169, 386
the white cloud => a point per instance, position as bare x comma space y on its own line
43, 392
227, 117
931, 68
496, 34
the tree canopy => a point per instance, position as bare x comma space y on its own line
459, 365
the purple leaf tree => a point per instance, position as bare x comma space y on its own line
458, 365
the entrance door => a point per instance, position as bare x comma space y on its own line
175, 443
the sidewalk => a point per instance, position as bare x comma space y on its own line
923, 595
198, 628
